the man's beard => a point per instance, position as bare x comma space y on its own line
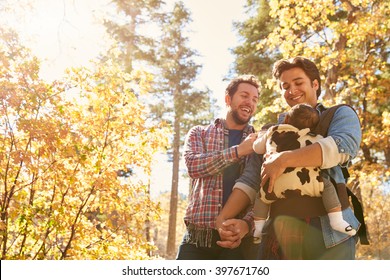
239, 120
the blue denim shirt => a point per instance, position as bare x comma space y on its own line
346, 132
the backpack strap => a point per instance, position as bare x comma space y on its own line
326, 117
324, 123
358, 211
322, 128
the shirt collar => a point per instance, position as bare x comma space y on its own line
220, 123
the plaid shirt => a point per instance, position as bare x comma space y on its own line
206, 155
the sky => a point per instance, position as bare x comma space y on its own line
213, 36
64, 33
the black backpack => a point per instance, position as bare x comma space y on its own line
322, 129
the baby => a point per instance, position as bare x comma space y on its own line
295, 133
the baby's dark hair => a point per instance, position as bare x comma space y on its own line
302, 116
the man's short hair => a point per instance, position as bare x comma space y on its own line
305, 64
249, 79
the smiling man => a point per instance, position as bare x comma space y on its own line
215, 157
298, 227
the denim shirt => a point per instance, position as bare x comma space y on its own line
346, 132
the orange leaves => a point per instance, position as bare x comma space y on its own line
62, 145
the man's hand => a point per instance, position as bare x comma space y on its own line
271, 169
231, 233
228, 233
246, 146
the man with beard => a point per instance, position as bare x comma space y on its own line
215, 156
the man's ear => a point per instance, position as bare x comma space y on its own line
228, 99
315, 84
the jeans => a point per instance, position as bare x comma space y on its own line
188, 251
298, 239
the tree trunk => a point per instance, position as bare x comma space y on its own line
333, 71
171, 242
147, 224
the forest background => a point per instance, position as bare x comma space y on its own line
77, 153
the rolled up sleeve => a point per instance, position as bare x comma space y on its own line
249, 181
343, 141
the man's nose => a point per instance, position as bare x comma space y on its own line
252, 102
292, 90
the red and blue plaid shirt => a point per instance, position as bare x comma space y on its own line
206, 155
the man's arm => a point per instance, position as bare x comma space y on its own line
344, 138
231, 230
341, 144
309, 156
242, 196
201, 163
237, 202
245, 188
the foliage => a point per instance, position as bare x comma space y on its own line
173, 97
253, 60
160, 226
349, 42
61, 147
126, 28
375, 193
178, 73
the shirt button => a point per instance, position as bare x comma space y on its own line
342, 150
220, 205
